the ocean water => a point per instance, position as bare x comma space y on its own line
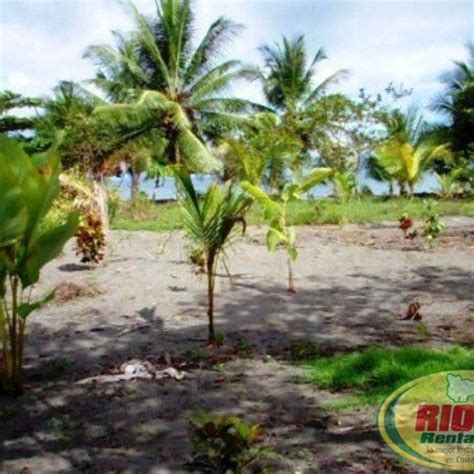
166, 190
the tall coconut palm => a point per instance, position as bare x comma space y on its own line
290, 88
288, 78
457, 104
456, 82
157, 75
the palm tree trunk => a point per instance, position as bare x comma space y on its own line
291, 281
210, 301
177, 155
403, 189
102, 201
135, 183
390, 188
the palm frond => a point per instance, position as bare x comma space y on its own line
211, 218
196, 154
219, 79
148, 41
221, 31
229, 105
313, 178
331, 80
173, 32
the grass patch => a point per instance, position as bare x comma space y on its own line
146, 215
372, 374
143, 214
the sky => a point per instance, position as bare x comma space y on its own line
383, 41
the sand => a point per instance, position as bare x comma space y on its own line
354, 284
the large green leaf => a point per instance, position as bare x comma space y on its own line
19, 163
25, 309
274, 237
290, 192
262, 197
195, 154
13, 212
44, 248
313, 178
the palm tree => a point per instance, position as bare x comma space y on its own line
405, 155
450, 183
457, 104
68, 118
288, 79
289, 86
378, 173
210, 220
157, 77
456, 82
10, 122
406, 163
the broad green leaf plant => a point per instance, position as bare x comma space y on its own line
275, 213
210, 220
28, 187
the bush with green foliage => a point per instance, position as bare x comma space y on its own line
224, 444
28, 188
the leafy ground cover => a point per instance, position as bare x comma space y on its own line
372, 374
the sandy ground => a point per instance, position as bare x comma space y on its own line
354, 284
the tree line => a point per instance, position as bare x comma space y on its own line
166, 99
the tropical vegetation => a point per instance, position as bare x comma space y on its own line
210, 220
29, 187
164, 106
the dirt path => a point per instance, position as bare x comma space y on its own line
354, 284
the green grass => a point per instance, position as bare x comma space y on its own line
370, 375
145, 215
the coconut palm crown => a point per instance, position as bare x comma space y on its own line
156, 73
288, 79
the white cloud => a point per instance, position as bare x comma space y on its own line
42, 41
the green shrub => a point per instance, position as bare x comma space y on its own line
28, 188
224, 444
